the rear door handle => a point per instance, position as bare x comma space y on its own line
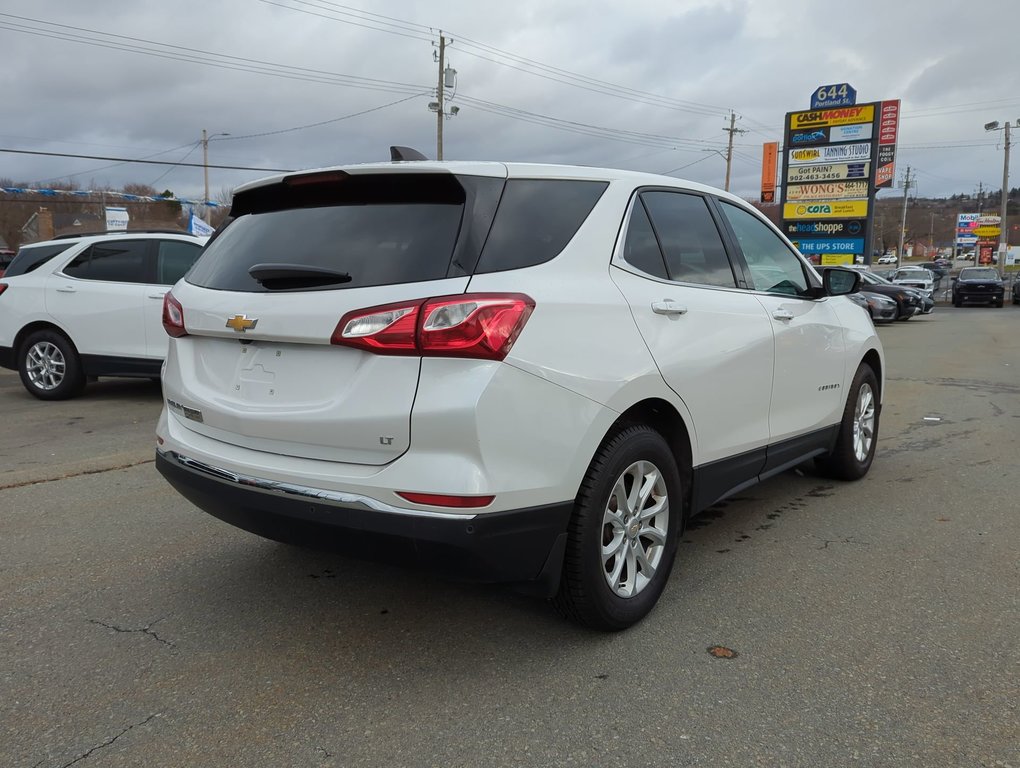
67, 289
668, 307
782, 314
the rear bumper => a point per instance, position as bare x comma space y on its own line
524, 545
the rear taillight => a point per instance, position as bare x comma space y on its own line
3, 287
173, 316
475, 325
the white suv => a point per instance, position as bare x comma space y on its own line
513, 372
86, 306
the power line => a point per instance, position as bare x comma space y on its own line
197, 56
105, 167
143, 162
391, 25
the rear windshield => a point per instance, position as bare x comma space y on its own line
376, 232
29, 259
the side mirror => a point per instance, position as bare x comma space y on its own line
840, 282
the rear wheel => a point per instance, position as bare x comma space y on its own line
956, 301
858, 431
623, 535
998, 303
50, 367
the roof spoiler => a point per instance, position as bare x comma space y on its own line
398, 154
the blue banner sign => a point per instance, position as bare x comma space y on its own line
831, 245
838, 95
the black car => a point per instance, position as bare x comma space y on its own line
1016, 288
908, 301
882, 309
978, 285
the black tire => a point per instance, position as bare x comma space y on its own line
585, 594
998, 303
850, 459
957, 302
49, 366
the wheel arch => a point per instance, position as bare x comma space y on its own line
874, 361
665, 419
41, 325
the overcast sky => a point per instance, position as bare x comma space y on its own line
646, 84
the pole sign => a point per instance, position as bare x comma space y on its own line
888, 128
836, 155
769, 162
838, 95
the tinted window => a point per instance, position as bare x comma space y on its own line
535, 220
29, 259
378, 244
690, 240
773, 266
641, 249
174, 260
121, 261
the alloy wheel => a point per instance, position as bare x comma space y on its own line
864, 422
634, 528
45, 365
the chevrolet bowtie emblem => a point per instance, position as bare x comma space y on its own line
241, 323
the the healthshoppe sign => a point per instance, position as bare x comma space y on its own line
835, 156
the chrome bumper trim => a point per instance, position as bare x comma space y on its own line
340, 498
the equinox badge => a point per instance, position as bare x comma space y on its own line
241, 323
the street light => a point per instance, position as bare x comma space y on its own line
1003, 230
205, 166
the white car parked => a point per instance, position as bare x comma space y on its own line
88, 306
512, 372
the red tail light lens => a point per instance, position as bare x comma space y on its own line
447, 500
389, 329
173, 316
476, 325
3, 287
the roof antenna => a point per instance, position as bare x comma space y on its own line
405, 153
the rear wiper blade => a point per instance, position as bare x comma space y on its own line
284, 276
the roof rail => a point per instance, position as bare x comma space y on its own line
70, 235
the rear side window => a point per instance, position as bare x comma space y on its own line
174, 260
30, 259
378, 230
641, 249
535, 220
690, 240
123, 261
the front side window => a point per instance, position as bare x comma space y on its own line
121, 261
773, 266
690, 240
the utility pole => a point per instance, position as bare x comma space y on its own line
1003, 229
903, 220
729, 148
440, 94
980, 195
205, 168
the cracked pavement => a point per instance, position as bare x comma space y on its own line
874, 623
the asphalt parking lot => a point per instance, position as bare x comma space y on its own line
875, 623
